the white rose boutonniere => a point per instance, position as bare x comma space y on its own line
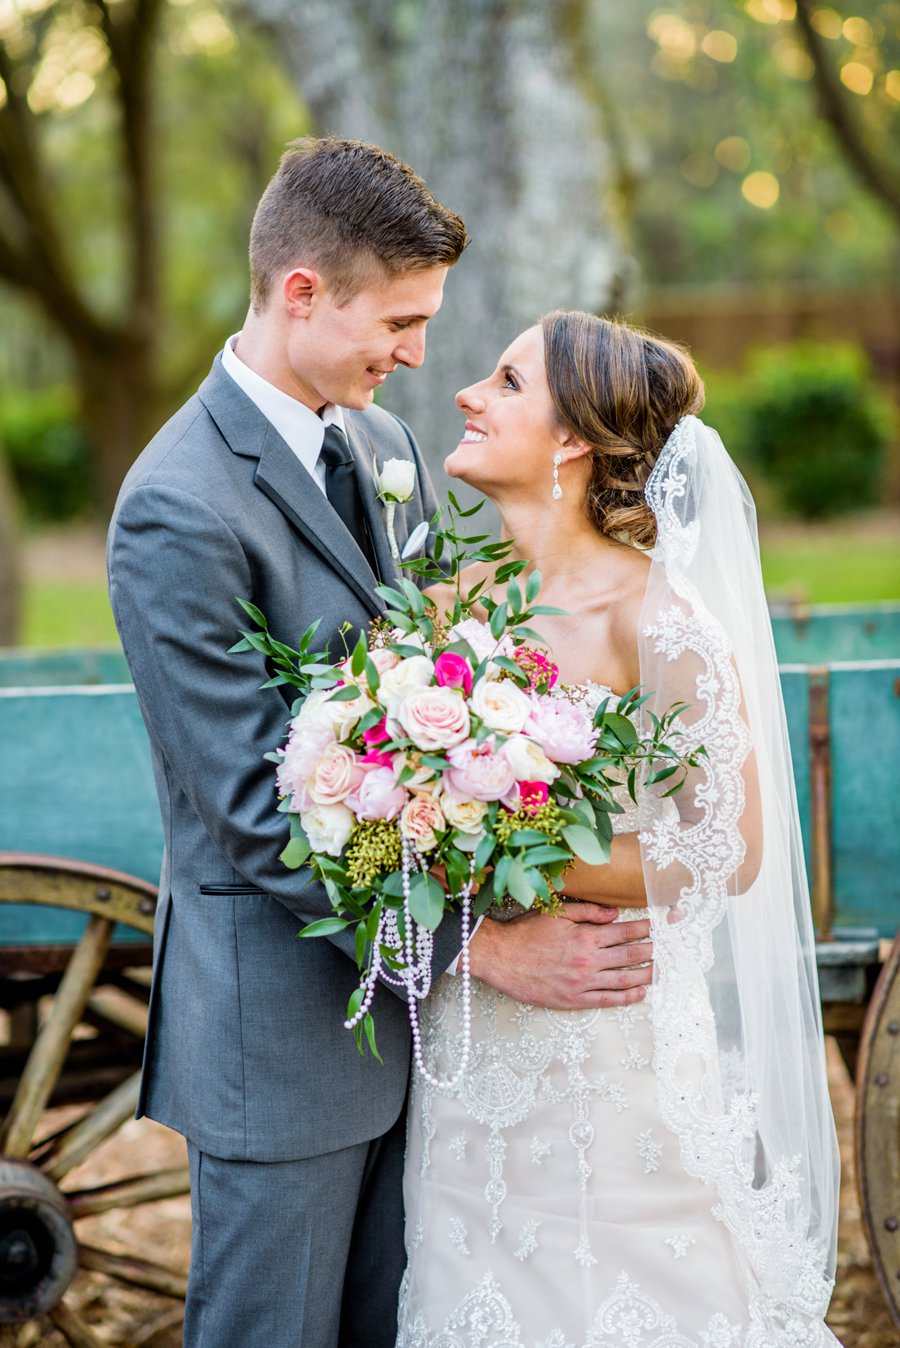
395, 483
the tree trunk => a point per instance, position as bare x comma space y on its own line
10, 568
122, 408
486, 99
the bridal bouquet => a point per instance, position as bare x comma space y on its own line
440, 759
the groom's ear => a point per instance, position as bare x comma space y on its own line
301, 290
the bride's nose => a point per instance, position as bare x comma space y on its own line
469, 400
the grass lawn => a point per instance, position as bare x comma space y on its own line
817, 571
67, 613
853, 561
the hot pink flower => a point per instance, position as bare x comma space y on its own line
376, 734
532, 795
378, 758
478, 771
453, 671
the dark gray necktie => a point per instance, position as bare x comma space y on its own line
342, 488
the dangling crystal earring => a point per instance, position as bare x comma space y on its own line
557, 489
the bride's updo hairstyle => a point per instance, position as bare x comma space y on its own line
621, 391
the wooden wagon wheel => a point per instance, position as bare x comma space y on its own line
878, 1129
39, 1247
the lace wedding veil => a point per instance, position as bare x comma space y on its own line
738, 1036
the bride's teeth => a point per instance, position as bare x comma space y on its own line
475, 437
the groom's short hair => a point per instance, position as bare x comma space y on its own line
352, 211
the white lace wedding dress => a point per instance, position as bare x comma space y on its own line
546, 1203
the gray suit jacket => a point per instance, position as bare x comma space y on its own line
246, 1051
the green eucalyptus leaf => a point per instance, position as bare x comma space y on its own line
256, 614
520, 887
326, 926
296, 852
426, 901
586, 845
532, 587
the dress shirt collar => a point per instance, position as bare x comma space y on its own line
298, 425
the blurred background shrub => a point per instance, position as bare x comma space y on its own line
809, 420
48, 454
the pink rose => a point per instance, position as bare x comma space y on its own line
453, 671
421, 821
336, 774
564, 730
434, 718
478, 771
377, 796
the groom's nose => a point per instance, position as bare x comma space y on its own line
410, 350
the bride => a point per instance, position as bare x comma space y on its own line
662, 1174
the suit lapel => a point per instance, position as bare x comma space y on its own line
287, 484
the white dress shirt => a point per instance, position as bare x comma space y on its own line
298, 425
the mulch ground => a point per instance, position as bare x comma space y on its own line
126, 1318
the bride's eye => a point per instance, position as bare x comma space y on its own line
510, 381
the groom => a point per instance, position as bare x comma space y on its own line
261, 487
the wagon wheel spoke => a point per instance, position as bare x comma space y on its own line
877, 1134
78, 1141
130, 1192
135, 1272
46, 1059
75, 1331
129, 1015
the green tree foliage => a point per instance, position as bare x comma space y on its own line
135, 138
728, 162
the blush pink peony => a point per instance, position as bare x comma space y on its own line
478, 771
377, 796
564, 730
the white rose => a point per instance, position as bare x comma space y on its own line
345, 713
502, 706
528, 760
416, 671
328, 828
465, 815
381, 658
396, 481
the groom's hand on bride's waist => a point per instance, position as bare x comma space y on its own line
580, 959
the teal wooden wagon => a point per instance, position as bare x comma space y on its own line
80, 846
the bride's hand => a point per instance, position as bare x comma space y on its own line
576, 961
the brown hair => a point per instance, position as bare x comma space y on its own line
621, 390
354, 212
